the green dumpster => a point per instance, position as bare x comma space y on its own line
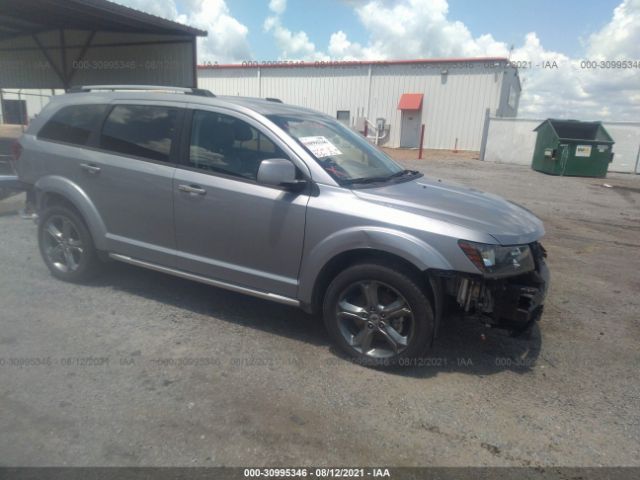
571, 147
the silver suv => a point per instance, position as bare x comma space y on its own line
280, 202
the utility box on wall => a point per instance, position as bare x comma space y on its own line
573, 148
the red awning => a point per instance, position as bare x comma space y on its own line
410, 101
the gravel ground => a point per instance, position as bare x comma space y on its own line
139, 368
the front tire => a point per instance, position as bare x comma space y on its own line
66, 245
378, 315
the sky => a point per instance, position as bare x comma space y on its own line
554, 37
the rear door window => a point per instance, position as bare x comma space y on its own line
73, 124
140, 131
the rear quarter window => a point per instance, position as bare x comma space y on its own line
73, 124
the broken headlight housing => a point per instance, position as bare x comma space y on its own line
497, 260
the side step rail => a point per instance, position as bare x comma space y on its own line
209, 281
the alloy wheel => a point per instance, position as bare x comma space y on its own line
62, 244
375, 319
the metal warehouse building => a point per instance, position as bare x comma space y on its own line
451, 97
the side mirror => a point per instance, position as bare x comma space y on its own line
279, 172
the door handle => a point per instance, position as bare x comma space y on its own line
93, 169
192, 189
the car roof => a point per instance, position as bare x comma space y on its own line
269, 107
258, 105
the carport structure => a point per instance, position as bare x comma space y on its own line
60, 43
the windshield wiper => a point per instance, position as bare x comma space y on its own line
350, 181
401, 173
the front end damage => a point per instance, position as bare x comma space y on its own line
513, 303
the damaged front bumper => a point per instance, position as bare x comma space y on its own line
519, 302
513, 303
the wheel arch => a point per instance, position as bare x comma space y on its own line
59, 190
379, 245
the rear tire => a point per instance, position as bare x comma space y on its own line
378, 315
66, 245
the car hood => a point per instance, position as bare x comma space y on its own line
505, 221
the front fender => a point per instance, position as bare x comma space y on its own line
79, 199
410, 248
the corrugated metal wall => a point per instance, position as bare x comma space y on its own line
242, 82
329, 90
112, 57
335, 89
453, 108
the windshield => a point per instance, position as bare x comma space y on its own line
343, 153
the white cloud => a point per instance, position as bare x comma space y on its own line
578, 92
292, 45
340, 47
227, 39
278, 6
422, 29
620, 38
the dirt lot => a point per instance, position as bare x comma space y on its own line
139, 368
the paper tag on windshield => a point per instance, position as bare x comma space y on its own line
320, 146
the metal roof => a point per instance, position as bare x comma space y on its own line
351, 63
26, 17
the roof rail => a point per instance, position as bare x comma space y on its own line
157, 88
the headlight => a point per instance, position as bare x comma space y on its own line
497, 260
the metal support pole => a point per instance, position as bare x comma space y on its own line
421, 142
194, 59
63, 60
366, 115
485, 133
80, 57
49, 59
23, 113
259, 82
